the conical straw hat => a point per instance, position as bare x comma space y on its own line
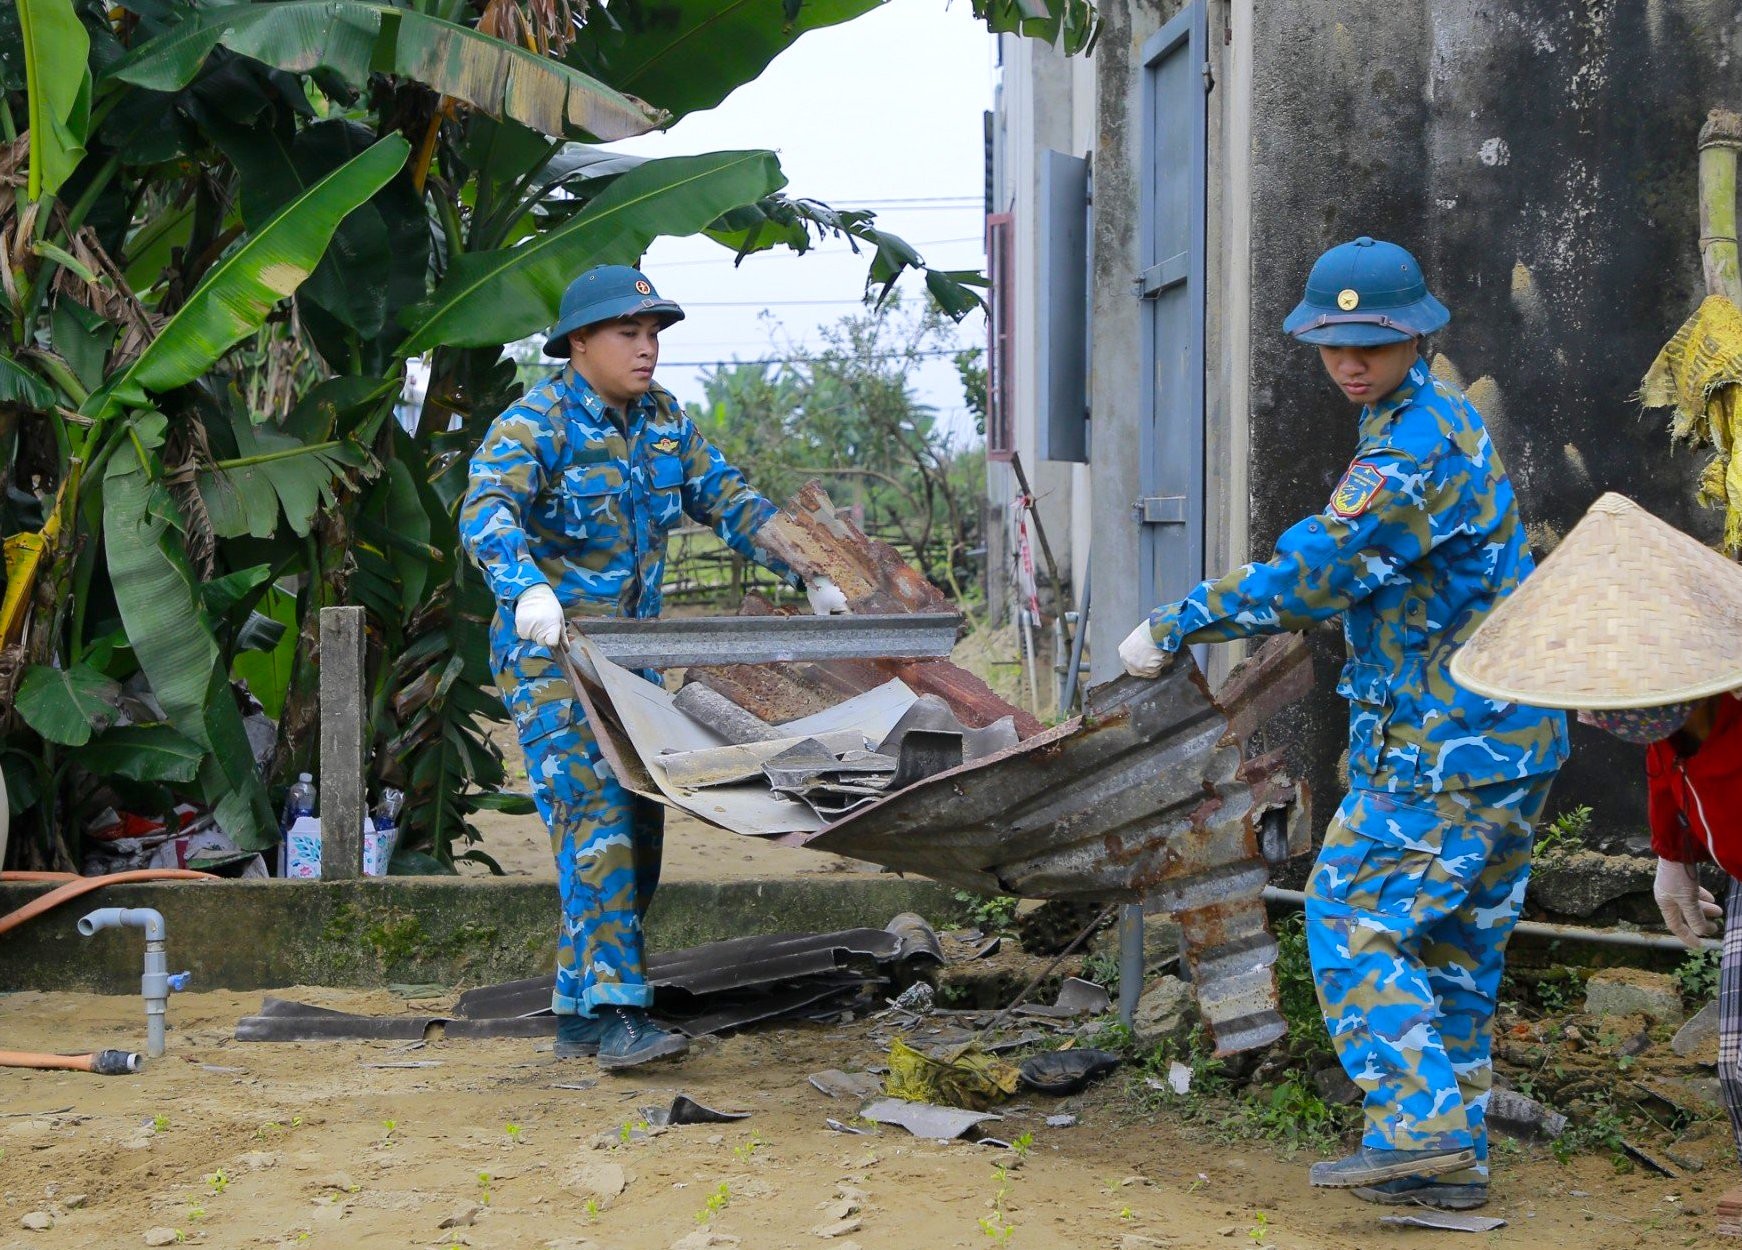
1627, 612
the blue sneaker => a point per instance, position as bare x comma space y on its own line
630, 1039
1368, 1167
1422, 1191
577, 1037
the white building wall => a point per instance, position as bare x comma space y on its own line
1045, 100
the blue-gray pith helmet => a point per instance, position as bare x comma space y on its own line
604, 293
1363, 294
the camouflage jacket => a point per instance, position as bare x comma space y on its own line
1420, 540
560, 493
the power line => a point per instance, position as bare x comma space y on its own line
810, 360
731, 258
762, 303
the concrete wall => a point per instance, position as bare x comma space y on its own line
1037, 95
1539, 159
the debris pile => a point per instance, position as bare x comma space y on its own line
916, 765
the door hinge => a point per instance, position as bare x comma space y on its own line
1209, 78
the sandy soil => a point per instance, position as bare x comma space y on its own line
350, 1145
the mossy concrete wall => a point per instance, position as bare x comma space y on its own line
248, 935
1540, 160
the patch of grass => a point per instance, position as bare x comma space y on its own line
1102, 968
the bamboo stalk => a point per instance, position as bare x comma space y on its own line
1720, 140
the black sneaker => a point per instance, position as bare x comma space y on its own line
1426, 1192
577, 1037
630, 1038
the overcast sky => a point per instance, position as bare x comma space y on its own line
882, 112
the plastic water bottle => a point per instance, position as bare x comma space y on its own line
387, 810
301, 799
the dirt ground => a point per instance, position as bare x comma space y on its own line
498, 1144
225, 1143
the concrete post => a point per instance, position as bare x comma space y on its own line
343, 717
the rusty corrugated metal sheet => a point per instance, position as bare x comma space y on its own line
1142, 798
814, 539
1146, 797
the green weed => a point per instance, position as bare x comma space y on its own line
716, 1202
1697, 975
994, 913
1565, 833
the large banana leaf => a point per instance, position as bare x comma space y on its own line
354, 38
686, 55
496, 297
233, 299
55, 48
159, 600
66, 705
142, 753
273, 469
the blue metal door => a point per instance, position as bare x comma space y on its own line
1170, 504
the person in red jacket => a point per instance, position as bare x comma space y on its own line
1639, 626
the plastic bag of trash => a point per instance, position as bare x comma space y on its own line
966, 1077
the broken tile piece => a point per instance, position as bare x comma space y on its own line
924, 1119
1451, 1221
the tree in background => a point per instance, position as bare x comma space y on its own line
847, 413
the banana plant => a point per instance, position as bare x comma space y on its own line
224, 235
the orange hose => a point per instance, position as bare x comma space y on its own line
38, 876
28, 1059
84, 885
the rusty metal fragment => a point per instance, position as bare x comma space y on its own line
815, 540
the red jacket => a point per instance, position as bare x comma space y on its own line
1695, 804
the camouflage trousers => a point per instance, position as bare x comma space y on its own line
1408, 913
607, 842
608, 845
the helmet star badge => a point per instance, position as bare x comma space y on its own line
642, 288
1348, 298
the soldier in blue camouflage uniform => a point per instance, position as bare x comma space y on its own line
571, 495
1422, 872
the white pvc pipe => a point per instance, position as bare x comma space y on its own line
154, 984
1542, 929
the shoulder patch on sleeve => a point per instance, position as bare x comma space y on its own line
1361, 482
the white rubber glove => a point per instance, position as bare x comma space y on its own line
827, 599
1140, 656
538, 617
1688, 909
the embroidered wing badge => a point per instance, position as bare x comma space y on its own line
666, 446
1357, 489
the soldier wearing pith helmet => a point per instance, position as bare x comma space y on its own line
569, 501
1421, 875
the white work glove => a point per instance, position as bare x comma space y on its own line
1688, 909
1140, 656
826, 598
538, 617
